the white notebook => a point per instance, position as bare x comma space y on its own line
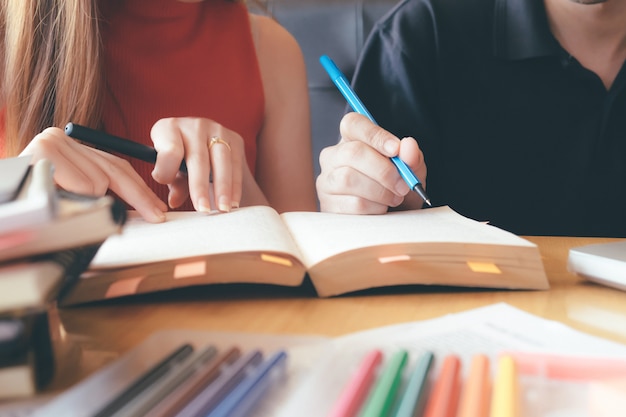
604, 263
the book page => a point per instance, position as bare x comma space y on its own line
190, 234
322, 235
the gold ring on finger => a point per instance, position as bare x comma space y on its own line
217, 139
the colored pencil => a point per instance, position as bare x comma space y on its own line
146, 380
217, 390
381, 399
476, 390
444, 397
145, 401
247, 394
413, 397
505, 400
172, 404
356, 390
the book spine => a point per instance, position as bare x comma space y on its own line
118, 209
74, 262
26, 341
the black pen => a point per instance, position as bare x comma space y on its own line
174, 403
146, 380
113, 143
146, 401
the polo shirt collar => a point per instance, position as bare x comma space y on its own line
521, 30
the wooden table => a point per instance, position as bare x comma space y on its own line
90, 336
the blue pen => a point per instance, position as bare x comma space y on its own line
243, 397
230, 377
344, 87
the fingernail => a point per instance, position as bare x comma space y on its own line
391, 147
401, 187
204, 206
159, 216
223, 205
397, 200
234, 204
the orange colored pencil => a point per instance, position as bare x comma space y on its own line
475, 395
444, 397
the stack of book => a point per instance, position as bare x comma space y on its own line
47, 239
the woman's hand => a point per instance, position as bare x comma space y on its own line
357, 175
210, 151
85, 170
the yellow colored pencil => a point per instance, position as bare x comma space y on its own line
505, 401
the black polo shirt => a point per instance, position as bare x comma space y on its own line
514, 130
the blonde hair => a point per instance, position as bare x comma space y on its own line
52, 67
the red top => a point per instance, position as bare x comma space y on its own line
165, 58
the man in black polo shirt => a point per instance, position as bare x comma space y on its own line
519, 108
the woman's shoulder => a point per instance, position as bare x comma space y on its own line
271, 37
280, 58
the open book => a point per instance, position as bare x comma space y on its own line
341, 253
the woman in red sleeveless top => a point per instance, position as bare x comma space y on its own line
172, 74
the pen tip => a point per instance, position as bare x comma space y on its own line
420, 191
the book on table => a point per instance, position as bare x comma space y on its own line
48, 236
79, 221
32, 283
340, 253
13, 171
26, 354
39, 264
36, 217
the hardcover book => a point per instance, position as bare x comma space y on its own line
26, 354
48, 236
39, 218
